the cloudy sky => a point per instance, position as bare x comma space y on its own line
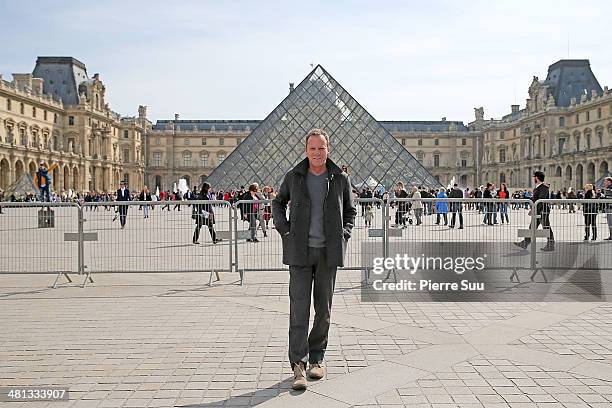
402, 60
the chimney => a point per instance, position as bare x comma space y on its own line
515, 109
22, 81
291, 87
37, 85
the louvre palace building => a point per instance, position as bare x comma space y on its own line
58, 113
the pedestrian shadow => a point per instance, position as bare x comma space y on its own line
186, 245
203, 288
19, 228
253, 398
25, 292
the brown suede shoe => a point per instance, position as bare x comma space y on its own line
299, 377
315, 371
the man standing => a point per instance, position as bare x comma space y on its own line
402, 206
43, 180
540, 192
191, 195
427, 205
607, 193
123, 194
486, 194
456, 208
314, 238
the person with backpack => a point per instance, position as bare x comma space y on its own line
43, 181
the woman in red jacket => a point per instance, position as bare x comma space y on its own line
503, 194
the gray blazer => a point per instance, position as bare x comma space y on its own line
338, 213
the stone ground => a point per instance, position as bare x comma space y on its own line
170, 340
166, 340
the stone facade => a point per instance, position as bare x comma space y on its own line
190, 149
448, 150
94, 146
572, 144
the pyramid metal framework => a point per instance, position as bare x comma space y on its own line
357, 140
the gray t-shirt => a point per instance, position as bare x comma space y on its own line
317, 188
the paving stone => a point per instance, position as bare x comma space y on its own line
180, 342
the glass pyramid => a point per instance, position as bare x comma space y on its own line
276, 145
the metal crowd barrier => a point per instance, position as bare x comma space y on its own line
368, 236
580, 229
266, 252
457, 227
40, 238
257, 245
158, 236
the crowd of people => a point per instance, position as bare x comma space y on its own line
406, 201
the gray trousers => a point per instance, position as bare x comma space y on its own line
417, 215
609, 220
302, 345
253, 225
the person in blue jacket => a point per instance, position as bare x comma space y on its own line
442, 207
43, 181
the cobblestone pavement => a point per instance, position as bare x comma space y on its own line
166, 340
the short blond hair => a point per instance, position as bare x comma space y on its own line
588, 187
317, 132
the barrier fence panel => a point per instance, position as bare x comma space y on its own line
257, 246
58, 238
39, 238
460, 228
580, 229
158, 236
368, 236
